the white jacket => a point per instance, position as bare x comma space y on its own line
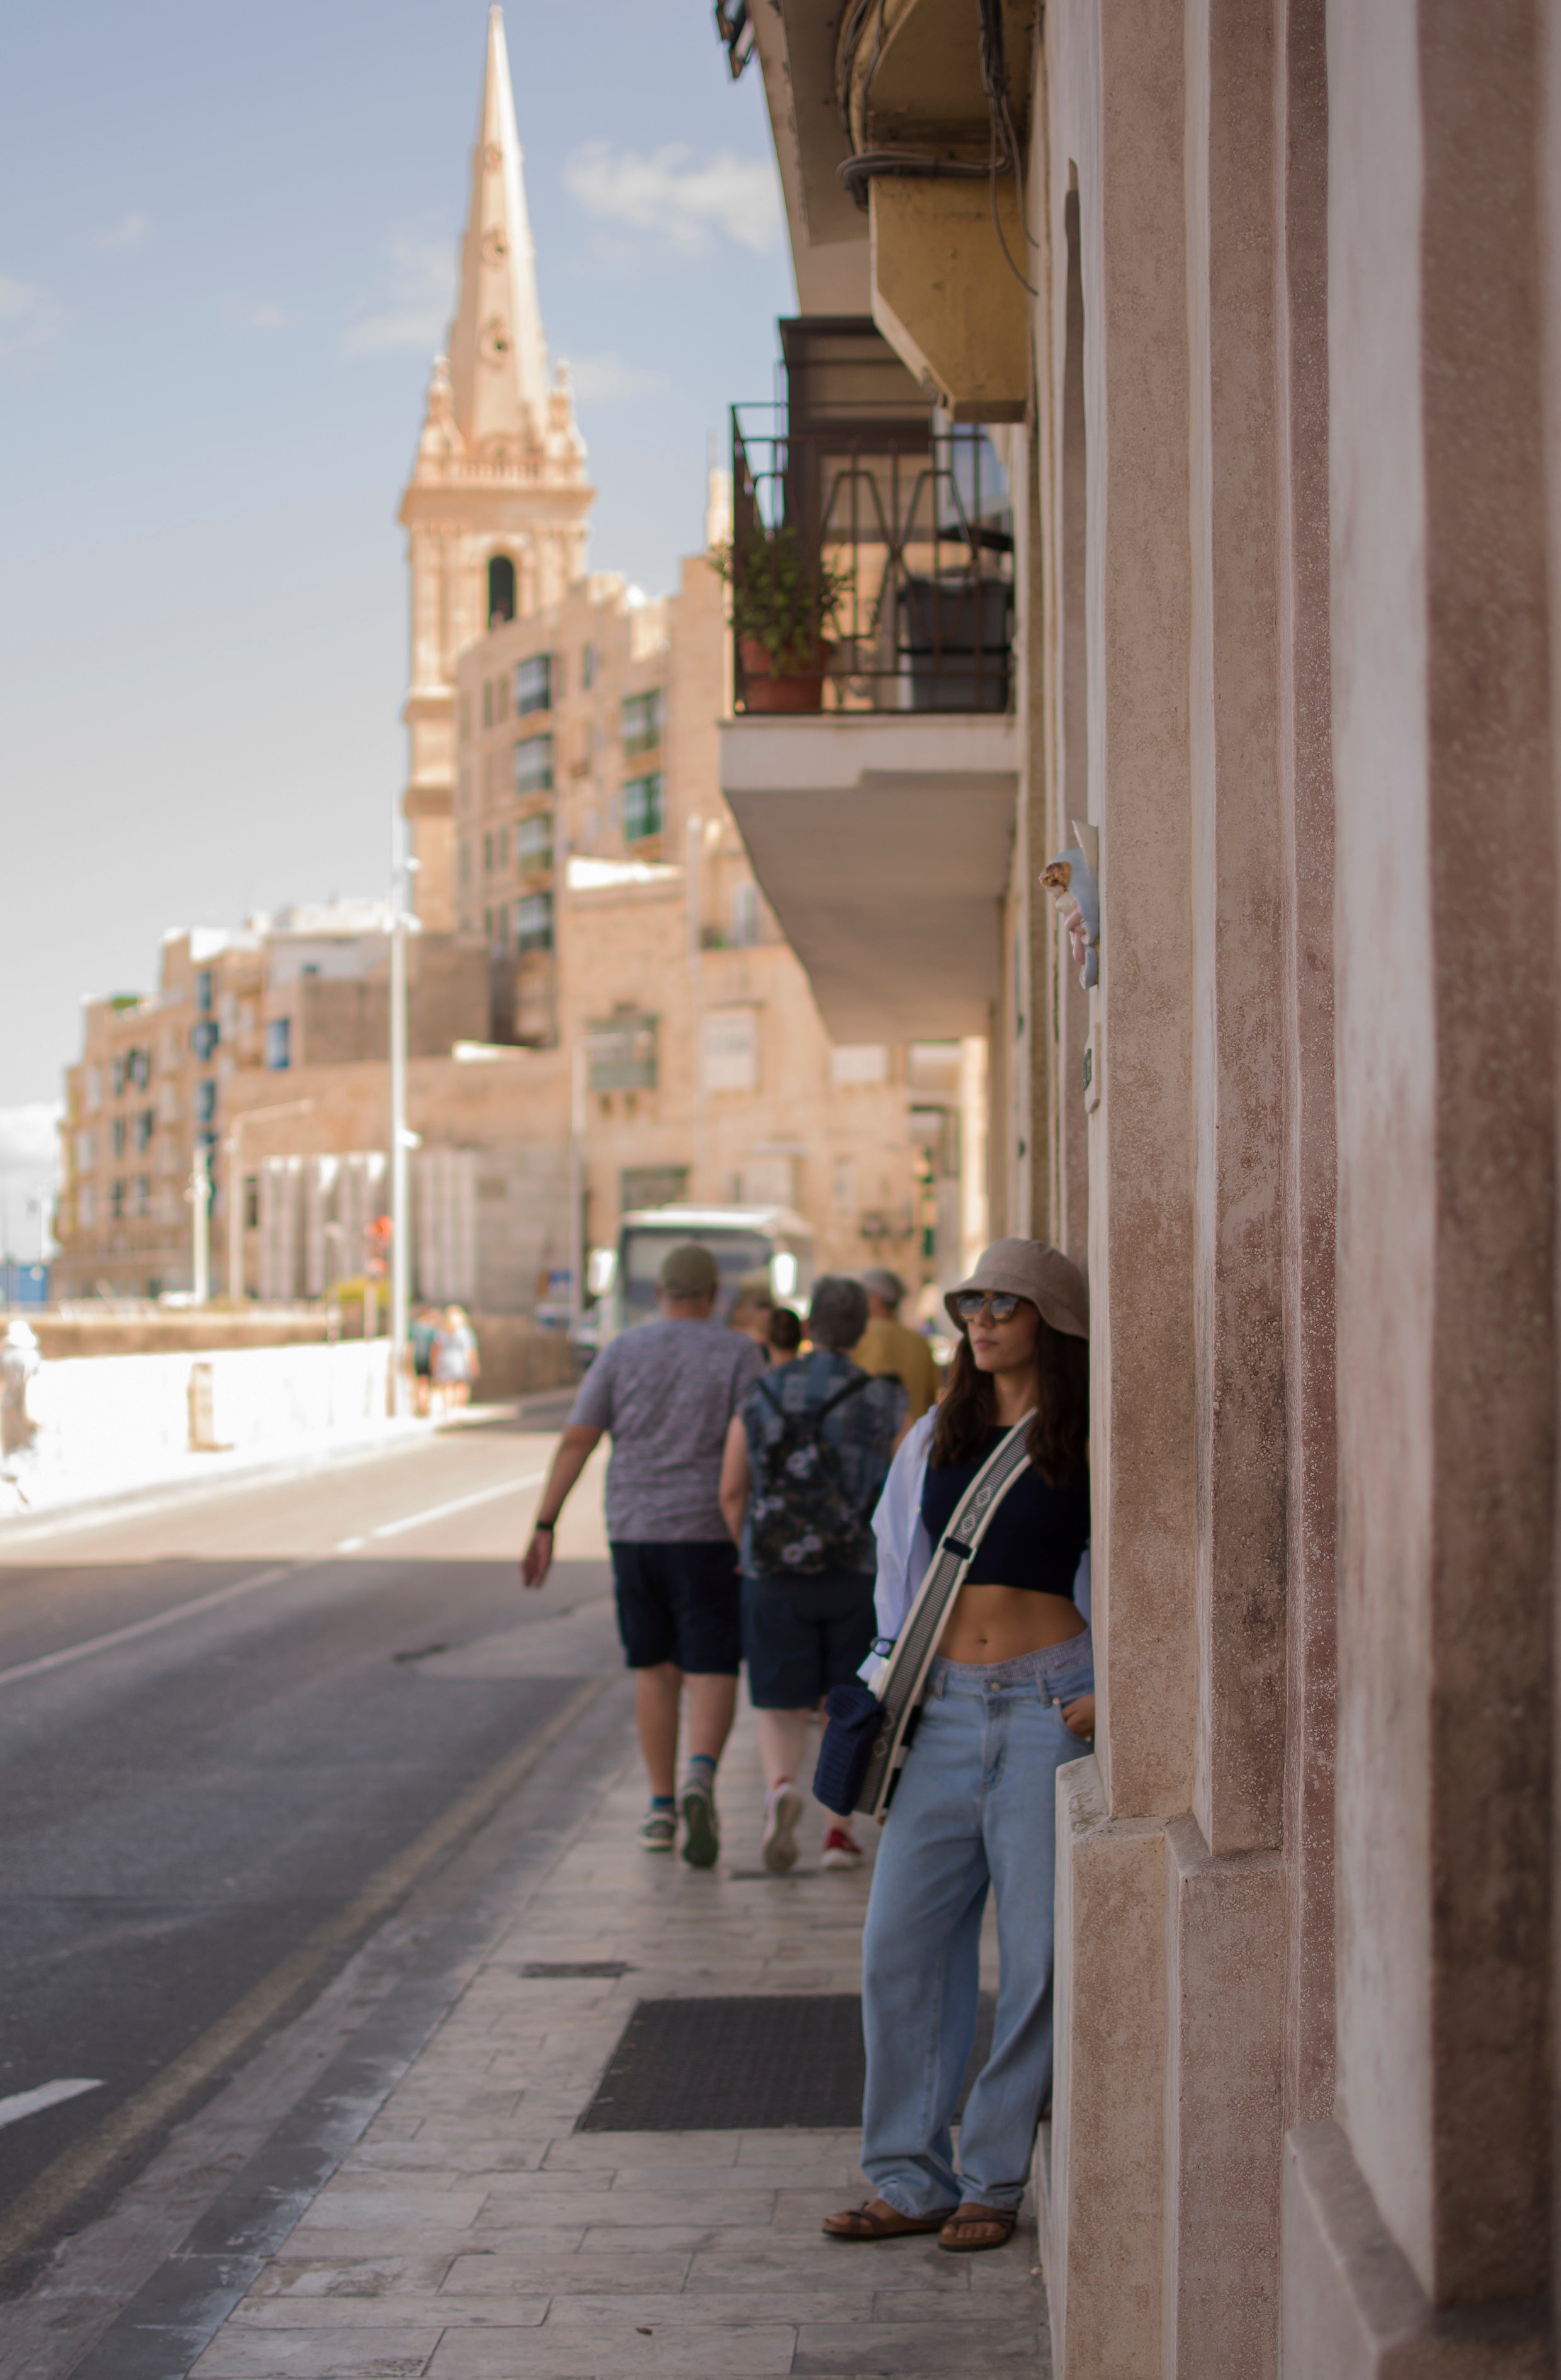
905, 1548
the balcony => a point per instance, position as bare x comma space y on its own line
872, 765
871, 530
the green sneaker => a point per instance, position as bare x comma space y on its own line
701, 1835
658, 1831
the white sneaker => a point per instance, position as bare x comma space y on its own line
782, 1814
841, 1849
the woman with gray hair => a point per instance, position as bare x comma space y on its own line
806, 1455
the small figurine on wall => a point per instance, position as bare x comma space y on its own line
1073, 877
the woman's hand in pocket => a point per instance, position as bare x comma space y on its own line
1078, 1717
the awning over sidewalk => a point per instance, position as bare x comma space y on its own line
883, 844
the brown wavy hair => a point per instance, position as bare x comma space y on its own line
1058, 1444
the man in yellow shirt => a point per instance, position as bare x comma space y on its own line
887, 1346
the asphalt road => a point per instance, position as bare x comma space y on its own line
221, 1717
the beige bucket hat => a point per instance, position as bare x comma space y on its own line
1033, 1269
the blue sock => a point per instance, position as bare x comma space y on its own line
663, 1802
703, 1760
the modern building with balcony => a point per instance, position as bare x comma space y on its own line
1164, 486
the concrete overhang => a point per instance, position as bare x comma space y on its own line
795, 41
883, 844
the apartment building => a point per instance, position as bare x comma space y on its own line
235, 1016
1258, 312
578, 832
146, 1093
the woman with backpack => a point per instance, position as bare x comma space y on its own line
806, 1456
1009, 1697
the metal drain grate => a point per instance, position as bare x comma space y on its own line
741, 2066
599, 1969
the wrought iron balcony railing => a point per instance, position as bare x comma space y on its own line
899, 531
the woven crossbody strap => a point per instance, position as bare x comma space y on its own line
946, 1572
903, 1683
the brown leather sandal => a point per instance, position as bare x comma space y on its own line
877, 2219
960, 2230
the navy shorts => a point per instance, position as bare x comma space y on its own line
679, 1603
804, 1635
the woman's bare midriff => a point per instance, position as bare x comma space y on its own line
999, 1623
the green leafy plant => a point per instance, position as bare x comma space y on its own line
779, 601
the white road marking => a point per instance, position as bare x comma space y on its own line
242, 1587
441, 1512
48, 2094
126, 1636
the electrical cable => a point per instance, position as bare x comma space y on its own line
994, 75
913, 165
907, 165
845, 58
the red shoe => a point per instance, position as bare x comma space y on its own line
841, 1849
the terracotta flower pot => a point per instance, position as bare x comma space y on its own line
767, 688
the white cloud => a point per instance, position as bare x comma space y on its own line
421, 289
678, 200
30, 317
29, 1139
256, 314
128, 231
607, 380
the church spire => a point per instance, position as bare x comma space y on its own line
497, 355
495, 508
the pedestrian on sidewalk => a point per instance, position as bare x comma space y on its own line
889, 1345
785, 1335
453, 1364
665, 1392
1011, 1698
806, 1458
753, 1309
421, 1333
21, 1363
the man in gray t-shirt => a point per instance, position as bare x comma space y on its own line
666, 1393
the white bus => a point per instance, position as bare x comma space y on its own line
621, 1281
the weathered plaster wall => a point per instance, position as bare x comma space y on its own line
1386, 1051
1306, 878
1446, 1116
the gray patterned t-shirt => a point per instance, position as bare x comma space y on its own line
667, 1391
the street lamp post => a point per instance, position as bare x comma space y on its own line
201, 1221
402, 864
577, 1190
234, 1146
694, 840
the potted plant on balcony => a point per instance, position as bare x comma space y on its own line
781, 609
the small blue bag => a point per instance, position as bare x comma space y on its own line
856, 1717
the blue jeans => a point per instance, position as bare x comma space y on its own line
975, 1809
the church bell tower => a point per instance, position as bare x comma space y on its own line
495, 508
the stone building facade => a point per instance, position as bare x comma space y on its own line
147, 1091
566, 817
598, 862
495, 508
236, 1023
1259, 306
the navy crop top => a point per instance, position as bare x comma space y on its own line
1036, 1534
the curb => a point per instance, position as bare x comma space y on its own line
21, 1527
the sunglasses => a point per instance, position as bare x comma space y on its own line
1000, 1308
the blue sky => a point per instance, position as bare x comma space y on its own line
227, 243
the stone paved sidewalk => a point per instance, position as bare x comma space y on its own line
474, 2235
